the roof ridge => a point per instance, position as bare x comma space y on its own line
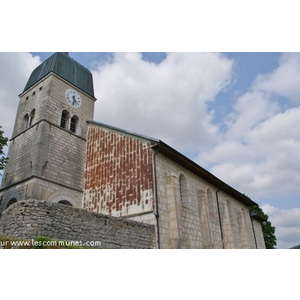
124, 131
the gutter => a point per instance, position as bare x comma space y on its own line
156, 199
201, 172
252, 216
219, 216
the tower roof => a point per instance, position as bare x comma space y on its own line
67, 68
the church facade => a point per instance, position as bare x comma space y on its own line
59, 154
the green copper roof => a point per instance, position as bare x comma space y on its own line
67, 68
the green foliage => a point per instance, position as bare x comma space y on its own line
267, 228
3, 142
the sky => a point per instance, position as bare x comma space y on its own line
234, 113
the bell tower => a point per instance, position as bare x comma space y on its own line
48, 144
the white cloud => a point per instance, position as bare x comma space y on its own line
259, 152
284, 80
251, 109
15, 71
286, 223
166, 100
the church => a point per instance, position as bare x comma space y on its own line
59, 154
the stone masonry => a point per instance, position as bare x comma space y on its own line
193, 213
31, 218
44, 158
143, 179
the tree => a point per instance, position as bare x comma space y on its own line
3, 143
267, 228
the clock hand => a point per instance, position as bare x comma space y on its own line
74, 100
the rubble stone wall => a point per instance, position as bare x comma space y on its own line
31, 218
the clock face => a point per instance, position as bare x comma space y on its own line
73, 98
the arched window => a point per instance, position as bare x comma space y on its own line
31, 119
64, 119
211, 203
26, 121
65, 202
10, 202
183, 189
73, 125
243, 229
227, 225
204, 221
184, 213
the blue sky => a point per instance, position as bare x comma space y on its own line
235, 114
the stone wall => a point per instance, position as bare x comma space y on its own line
43, 160
31, 218
39, 188
192, 212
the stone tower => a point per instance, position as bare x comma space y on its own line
48, 144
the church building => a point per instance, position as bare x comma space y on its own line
58, 153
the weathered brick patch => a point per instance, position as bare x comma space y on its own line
118, 173
27, 219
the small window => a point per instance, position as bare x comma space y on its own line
40, 88
65, 202
73, 124
33, 93
64, 119
183, 190
31, 119
27, 98
10, 202
26, 121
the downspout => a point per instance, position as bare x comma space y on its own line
156, 199
253, 214
219, 215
